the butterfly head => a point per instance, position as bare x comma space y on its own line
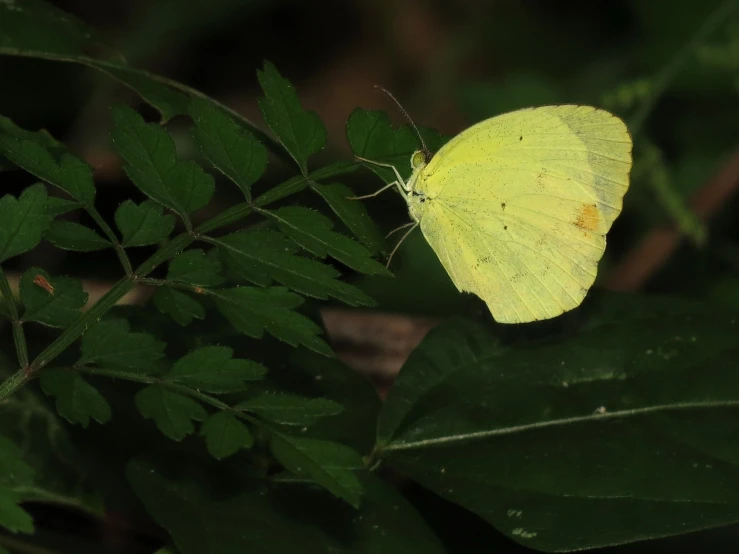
419, 159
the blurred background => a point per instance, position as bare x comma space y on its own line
670, 68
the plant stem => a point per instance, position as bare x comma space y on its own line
19, 337
13, 383
119, 250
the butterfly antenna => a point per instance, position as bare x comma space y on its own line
424, 148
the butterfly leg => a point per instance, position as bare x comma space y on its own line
374, 193
399, 228
400, 182
415, 224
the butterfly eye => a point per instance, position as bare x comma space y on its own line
418, 158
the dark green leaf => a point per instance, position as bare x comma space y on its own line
76, 400
621, 432
153, 165
14, 518
372, 136
172, 412
312, 231
330, 464
212, 369
69, 235
261, 256
301, 132
53, 301
280, 519
144, 224
180, 306
228, 146
290, 409
56, 206
110, 344
195, 268
253, 310
22, 221
13, 470
225, 435
353, 214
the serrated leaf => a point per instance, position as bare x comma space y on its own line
253, 310
53, 301
76, 400
172, 412
69, 235
143, 224
301, 132
22, 221
180, 306
56, 206
109, 343
264, 256
14, 518
372, 136
290, 409
153, 165
312, 231
230, 147
194, 267
353, 214
225, 435
213, 369
330, 464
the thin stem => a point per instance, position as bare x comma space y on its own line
105, 228
664, 78
19, 337
13, 383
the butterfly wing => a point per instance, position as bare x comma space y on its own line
517, 206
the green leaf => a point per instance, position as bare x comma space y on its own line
69, 235
312, 231
153, 165
14, 471
180, 307
194, 267
172, 412
144, 224
56, 167
353, 214
230, 147
110, 344
213, 369
56, 206
330, 464
624, 431
261, 256
53, 301
22, 221
289, 518
290, 409
14, 518
253, 310
372, 136
225, 435
76, 400
301, 132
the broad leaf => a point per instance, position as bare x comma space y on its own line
289, 518
621, 432
312, 231
261, 256
290, 409
153, 166
301, 132
372, 136
253, 310
14, 518
14, 472
22, 221
212, 369
69, 235
225, 435
110, 344
180, 306
330, 464
194, 267
53, 301
353, 214
56, 206
143, 224
76, 400
230, 147
172, 412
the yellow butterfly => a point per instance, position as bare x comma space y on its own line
517, 206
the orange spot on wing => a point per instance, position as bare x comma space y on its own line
587, 218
